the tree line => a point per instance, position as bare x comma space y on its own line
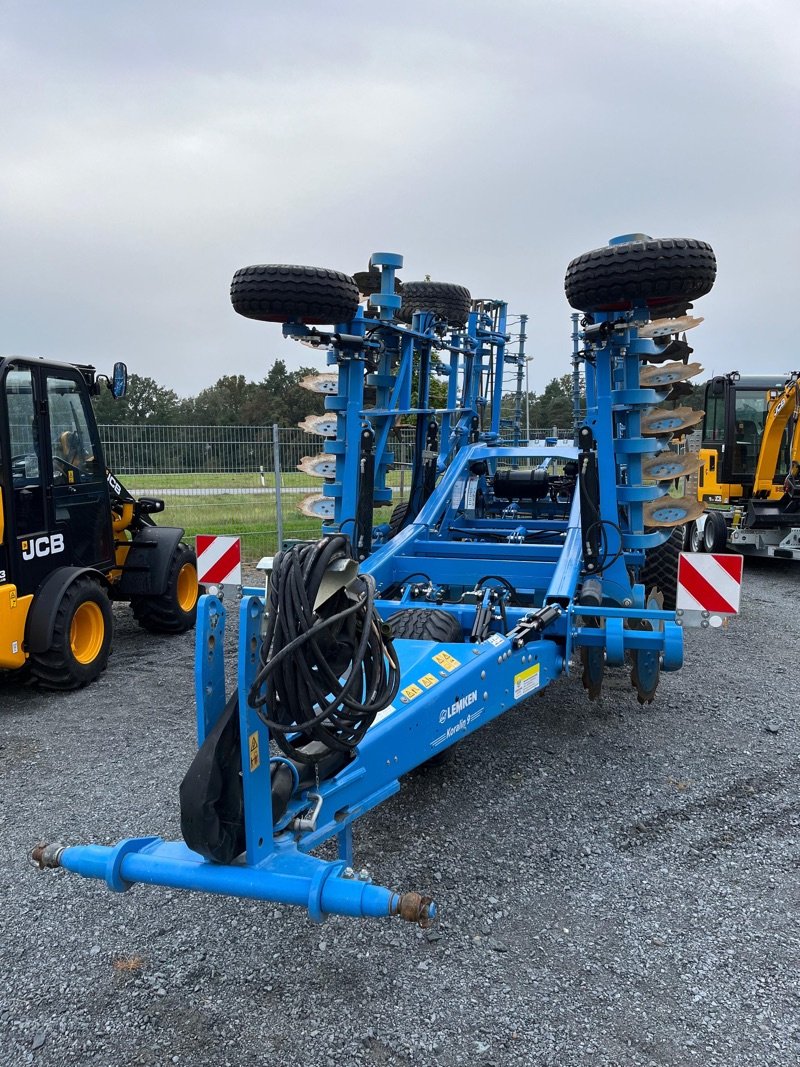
279, 398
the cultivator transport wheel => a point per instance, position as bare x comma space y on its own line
643, 270
175, 610
425, 624
397, 519
81, 639
279, 292
449, 302
660, 570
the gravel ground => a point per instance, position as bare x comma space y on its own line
617, 885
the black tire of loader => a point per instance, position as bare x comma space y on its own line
164, 614
447, 301
660, 273
58, 667
279, 292
661, 568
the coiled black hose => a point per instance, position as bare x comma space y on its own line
324, 674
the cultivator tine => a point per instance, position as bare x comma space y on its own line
672, 511
323, 465
665, 466
319, 425
659, 377
321, 383
669, 327
659, 422
317, 506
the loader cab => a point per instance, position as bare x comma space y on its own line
736, 409
55, 509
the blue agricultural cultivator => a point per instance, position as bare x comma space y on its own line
382, 645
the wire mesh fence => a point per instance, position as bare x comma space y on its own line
222, 479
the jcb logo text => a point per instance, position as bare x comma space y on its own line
43, 546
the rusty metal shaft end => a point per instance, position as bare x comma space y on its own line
415, 908
47, 855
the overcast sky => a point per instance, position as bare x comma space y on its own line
148, 149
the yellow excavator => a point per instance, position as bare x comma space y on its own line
749, 479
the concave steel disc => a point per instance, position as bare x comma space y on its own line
321, 425
321, 383
656, 377
317, 506
660, 421
667, 327
668, 465
672, 510
322, 465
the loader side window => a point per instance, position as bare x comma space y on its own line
72, 442
25, 455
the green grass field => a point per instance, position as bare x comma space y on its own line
250, 517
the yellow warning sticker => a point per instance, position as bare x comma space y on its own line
526, 682
255, 758
412, 691
429, 681
444, 659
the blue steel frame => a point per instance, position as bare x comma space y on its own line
447, 691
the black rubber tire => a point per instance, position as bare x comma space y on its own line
280, 292
661, 568
715, 532
368, 281
428, 624
694, 539
425, 624
164, 614
656, 272
58, 667
447, 301
398, 517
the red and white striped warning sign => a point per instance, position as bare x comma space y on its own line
219, 560
709, 582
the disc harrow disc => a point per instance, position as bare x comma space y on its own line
660, 421
322, 465
672, 511
665, 466
659, 377
321, 383
646, 663
593, 661
321, 425
317, 506
668, 327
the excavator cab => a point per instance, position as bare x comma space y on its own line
736, 409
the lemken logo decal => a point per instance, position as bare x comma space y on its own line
43, 546
458, 706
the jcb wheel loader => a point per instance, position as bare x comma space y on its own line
72, 538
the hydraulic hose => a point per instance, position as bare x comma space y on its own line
325, 674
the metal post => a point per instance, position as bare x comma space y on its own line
521, 363
576, 378
527, 399
276, 456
